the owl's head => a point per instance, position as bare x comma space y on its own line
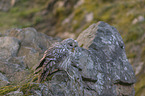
70, 43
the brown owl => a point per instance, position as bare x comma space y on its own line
56, 58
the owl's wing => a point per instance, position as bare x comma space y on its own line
51, 61
47, 64
39, 67
46, 70
47, 57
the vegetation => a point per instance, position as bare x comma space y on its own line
7, 89
28, 88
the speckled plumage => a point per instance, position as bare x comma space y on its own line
56, 58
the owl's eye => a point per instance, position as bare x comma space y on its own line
70, 44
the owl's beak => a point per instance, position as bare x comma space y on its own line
73, 49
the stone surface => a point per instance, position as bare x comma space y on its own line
89, 17
138, 19
109, 62
30, 37
3, 80
9, 47
99, 67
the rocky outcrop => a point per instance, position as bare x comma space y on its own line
99, 66
20, 50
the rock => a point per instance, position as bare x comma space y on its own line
99, 67
9, 68
89, 17
79, 3
33, 44
3, 83
108, 64
66, 35
9, 47
138, 68
138, 19
3, 80
31, 56
14, 72
30, 37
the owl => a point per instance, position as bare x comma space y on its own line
56, 58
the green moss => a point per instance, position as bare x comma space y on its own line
76, 26
60, 13
141, 92
135, 33
132, 37
78, 19
28, 13
37, 19
131, 55
7, 89
28, 88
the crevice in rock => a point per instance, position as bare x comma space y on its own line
123, 83
88, 79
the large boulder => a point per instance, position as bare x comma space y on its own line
105, 61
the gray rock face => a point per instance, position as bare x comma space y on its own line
9, 47
108, 64
99, 67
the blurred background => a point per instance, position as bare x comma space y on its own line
67, 18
